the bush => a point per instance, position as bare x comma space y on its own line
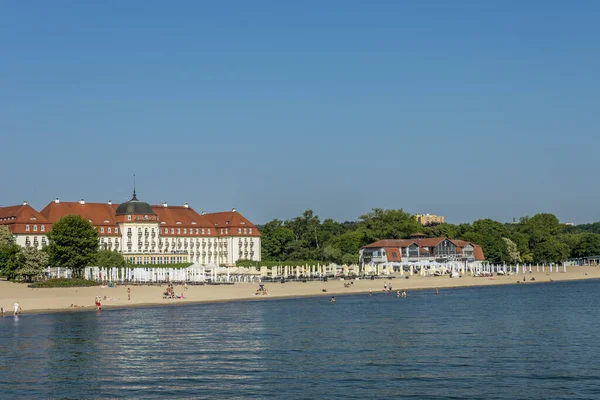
62, 282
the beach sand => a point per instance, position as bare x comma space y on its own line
82, 299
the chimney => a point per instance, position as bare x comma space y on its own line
110, 202
82, 201
25, 203
165, 205
186, 205
56, 201
233, 210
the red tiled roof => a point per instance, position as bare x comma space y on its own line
232, 219
18, 217
100, 214
170, 217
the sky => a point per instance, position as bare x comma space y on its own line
458, 108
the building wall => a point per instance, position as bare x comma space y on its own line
428, 219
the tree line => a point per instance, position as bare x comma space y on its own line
537, 239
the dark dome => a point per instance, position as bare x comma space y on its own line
134, 206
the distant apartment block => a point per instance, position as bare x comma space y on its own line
429, 219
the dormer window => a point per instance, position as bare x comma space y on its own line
102, 230
250, 231
178, 230
178, 223
33, 219
163, 223
116, 230
27, 228
35, 228
209, 231
184, 230
129, 218
239, 231
109, 230
193, 222
172, 230
43, 228
202, 231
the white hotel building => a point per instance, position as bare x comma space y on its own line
145, 234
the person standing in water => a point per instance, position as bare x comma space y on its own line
17, 308
437, 291
385, 286
332, 299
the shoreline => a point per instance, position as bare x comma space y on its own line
56, 300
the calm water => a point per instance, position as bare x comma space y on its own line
531, 342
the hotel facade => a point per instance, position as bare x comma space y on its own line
144, 233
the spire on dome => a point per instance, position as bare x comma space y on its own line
134, 196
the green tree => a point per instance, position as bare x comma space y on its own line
9, 252
350, 259
389, 224
73, 244
551, 251
489, 235
541, 227
109, 259
31, 262
332, 254
588, 244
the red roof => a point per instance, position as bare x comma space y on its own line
232, 220
17, 218
184, 218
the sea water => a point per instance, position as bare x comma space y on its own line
528, 341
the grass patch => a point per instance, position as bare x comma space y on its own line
63, 282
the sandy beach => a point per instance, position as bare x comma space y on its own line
82, 299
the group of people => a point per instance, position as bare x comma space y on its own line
170, 293
385, 287
17, 310
261, 290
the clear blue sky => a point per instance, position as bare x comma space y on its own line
461, 108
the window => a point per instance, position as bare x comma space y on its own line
178, 230
35, 228
221, 231
239, 231
172, 230
209, 231
226, 231
184, 230
245, 231
129, 218
43, 228
196, 231
101, 230
203, 231
27, 228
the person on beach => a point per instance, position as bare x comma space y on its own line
128, 293
385, 286
184, 285
332, 299
391, 287
17, 308
1, 311
370, 292
98, 304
